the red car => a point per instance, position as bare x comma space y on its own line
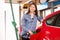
50, 29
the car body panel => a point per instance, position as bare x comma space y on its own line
47, 32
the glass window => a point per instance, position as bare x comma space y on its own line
54, 21
58, 21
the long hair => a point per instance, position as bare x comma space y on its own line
36, 13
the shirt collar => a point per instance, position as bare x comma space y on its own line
30, 15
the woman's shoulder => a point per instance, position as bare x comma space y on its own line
25, 15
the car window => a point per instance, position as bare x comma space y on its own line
58, 21
54, 21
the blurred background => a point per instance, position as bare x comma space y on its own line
20, 7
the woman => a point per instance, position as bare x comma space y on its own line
29, 21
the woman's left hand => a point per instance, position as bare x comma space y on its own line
31, 33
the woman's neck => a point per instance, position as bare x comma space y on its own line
32, 14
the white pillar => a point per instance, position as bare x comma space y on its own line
10, 31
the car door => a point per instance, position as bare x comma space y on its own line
51, 28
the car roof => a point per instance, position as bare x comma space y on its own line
52, 14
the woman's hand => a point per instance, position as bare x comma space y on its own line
30, 32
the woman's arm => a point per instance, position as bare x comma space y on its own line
24, 23
39, 18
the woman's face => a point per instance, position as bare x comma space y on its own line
32, 8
